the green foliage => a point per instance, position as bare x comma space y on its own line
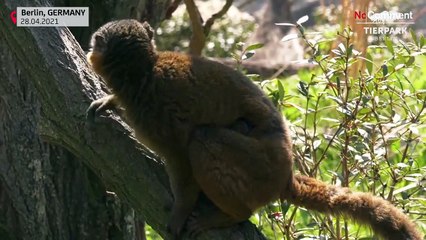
243, 53
364, 129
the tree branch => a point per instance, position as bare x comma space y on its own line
214, 17
200, 31
198, 39
172, 8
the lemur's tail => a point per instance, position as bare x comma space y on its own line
385, 219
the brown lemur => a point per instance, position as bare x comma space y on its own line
219, 134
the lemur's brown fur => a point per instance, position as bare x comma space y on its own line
219, 134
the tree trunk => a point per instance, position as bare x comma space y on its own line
61, 178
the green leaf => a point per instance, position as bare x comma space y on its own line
302, 19
254, 77
349, 50
385, 69
254, 46
338, 83
285, 24
303, 88
316, 143
402, 165
369, 63
342, 47
410, 61
389, 45
248, 55
414, 36
280, 89
404, 195
414, 129
290, 37
338, 100
399, 66
356, 52
404, 46
422, 41
363, 133
344, 111
396, 118
423, 51
331, 120
338, 52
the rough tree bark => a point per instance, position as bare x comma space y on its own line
55, 169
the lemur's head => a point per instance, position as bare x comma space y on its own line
122, 48
122, 35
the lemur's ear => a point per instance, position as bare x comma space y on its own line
148, 29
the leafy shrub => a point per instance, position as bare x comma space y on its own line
362, 129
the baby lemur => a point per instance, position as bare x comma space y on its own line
219, 135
